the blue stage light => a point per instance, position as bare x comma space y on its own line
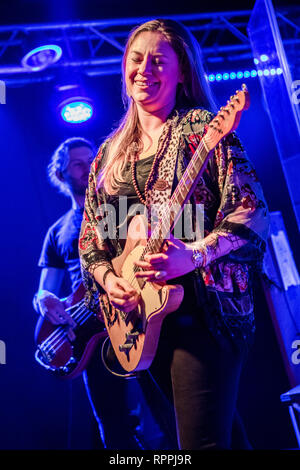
243, 74
264, 58
256, 61
76, 111
41, 57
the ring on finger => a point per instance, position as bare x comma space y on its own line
159, 274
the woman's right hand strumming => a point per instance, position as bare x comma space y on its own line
121, 293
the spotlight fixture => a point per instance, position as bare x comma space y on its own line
73, 103
41, 57
76, 110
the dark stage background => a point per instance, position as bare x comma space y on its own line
38, 411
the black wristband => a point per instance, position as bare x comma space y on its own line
109, 270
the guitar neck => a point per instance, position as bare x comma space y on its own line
171, 213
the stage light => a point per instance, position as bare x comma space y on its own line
264, 58
41, 57
72, 99
243, 74
76, 110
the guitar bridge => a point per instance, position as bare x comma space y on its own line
48, 355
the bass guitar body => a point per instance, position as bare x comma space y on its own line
56, 352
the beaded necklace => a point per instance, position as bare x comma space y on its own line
162, 144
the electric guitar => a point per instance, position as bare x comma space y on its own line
134, 335
56, 352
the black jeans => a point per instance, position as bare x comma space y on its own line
130, 413
188, 397
201, 375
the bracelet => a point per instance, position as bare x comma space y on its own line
197, 258
109, 270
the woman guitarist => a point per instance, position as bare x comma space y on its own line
203, 343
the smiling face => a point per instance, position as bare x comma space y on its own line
152, 72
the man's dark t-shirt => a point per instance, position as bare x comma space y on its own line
60, 247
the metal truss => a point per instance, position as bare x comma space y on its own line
95, 47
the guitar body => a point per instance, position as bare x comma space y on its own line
134, 336
55, 352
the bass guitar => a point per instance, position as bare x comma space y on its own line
56, 352
134, 335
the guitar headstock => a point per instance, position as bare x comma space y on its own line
227, 118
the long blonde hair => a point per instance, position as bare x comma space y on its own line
192, 92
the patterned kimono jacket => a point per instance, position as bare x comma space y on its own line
236, 223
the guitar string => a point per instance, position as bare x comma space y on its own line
78, 307
61, 334
162, 227
79, 315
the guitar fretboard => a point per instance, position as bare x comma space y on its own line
171, 212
